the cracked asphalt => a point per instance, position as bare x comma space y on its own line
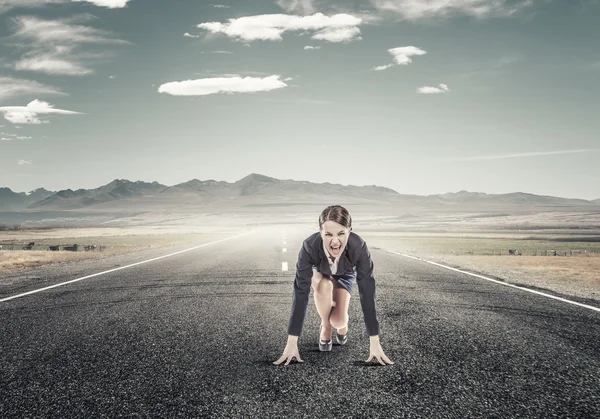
195, 335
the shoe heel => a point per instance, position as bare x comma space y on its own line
324, 346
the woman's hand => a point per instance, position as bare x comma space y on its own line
377, 351
290, 351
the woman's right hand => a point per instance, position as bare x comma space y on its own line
290, 351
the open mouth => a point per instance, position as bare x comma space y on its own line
335, 250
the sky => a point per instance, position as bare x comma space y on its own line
420, 96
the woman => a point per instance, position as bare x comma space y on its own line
329, 262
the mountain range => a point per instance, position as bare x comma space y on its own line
256, 190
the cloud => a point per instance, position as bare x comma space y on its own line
401, 56
111, 4
54, 44
10, 87
422, 9
382, 67
52, 63
60, 31
297, 6
338, 34
18, 137
209, 86
428, 90
10, 4
311, 47
220, 6
337, 28
29, 114
21, 162
531, 154
189, 35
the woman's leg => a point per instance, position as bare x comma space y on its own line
323, 293
339, 314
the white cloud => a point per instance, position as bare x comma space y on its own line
337, 28
6, 5
202, 87
297, 6
311, 47
220, 6
21, 162
53, 44
111, 4
29, 114
402, 54
189, 35
5, 139
111, 77
338, 34
382, 67
52, 63
422, 9
60, 31
428, 90
10, 87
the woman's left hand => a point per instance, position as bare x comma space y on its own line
377, 351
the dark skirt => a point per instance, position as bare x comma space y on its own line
346, 280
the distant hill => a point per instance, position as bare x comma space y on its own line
256, 190
15, 201
116, 190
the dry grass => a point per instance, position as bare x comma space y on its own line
573, 275
115, 241
17, 259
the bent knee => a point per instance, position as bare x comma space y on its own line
321, 283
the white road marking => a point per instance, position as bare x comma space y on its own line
116, 269
500, 282
284, 250
284, 266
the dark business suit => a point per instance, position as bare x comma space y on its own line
355, 255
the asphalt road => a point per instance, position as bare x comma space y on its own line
195, 335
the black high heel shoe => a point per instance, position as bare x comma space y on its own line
324, 346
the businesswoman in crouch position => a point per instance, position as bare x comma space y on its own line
329, 262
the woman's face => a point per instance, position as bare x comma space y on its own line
335, 236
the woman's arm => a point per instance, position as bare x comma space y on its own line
301, 291
366, 288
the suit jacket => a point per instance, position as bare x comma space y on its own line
356, 254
